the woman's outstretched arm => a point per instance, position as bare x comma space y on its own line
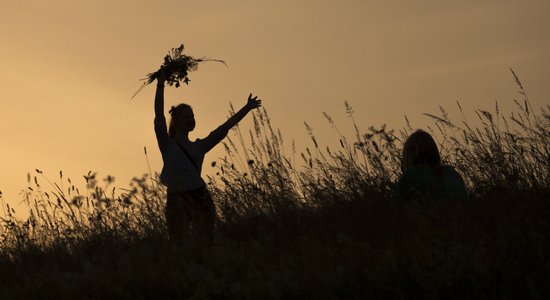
252, 103
221, 132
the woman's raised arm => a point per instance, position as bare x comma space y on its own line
159, 95
161, 131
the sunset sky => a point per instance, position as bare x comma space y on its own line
69, 69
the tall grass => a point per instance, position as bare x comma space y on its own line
505, 152
317, 223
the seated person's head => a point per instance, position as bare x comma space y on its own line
420, 148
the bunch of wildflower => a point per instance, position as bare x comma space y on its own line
176, 67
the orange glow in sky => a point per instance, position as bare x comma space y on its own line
69, 69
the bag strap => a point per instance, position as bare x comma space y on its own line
188, 156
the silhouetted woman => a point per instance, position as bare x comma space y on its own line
424, 177
190, 211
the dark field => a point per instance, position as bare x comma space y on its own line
323, 225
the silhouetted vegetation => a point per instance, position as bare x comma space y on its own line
317, 224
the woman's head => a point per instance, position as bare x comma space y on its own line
420, 148
182, 118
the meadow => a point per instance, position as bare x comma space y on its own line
318, 223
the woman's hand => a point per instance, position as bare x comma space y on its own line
161, 76
253, 102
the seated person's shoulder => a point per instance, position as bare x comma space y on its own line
450, 171
455, 181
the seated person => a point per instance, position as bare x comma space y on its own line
424, 178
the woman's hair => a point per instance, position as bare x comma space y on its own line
175, 117
420, 148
